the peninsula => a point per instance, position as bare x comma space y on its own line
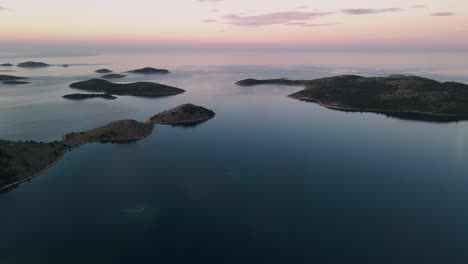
21, 161
403, 96
6, 65
80, 96
147, 89
103, 71
33, 64
113, 76
149, 70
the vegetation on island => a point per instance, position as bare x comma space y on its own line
14, 82
80, 96
282, 81
33, 64
149, 70
20, 161
148, 89
113, 76
11, 78
398, 95
103, 71
186, 113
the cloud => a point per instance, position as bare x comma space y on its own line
320, 25
305, 24
272, 18
209, 1
209, 21
3, 8
368, 11
295, 23
419, 6
443, 14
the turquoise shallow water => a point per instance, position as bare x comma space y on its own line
268, 180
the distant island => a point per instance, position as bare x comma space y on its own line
80, 96
149, 70
103, 71
33, 64
11, 78
282, 81
147, 89
6, 65
14, 82
403, 96
21, 161
113, 76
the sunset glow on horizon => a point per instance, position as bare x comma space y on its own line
237, 22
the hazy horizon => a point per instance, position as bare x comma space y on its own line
334, 25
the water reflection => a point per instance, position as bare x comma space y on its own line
270, 180
411, 116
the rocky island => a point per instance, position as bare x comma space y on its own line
6, 65
184, 114
149, 70
147, 89
33, 64
11, 78
14, 82
103, 71
80, 96
403, 96
21, 161
113, 76
282, 81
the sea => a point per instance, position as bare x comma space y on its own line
269, 180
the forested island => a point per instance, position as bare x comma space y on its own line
147, 89
103, 71
149, 70
80, 96
113, 76
184, 114
400, 95
11, 78
282, 81
33, 64
21, 161
15, 82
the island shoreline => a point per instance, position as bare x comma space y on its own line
186, 122
399, 96
15, 184
183, 114
376, 111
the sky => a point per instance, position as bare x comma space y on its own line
293, 24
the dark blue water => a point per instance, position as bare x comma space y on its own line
268, 180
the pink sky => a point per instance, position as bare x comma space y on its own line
431, 23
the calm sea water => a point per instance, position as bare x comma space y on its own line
269, 180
